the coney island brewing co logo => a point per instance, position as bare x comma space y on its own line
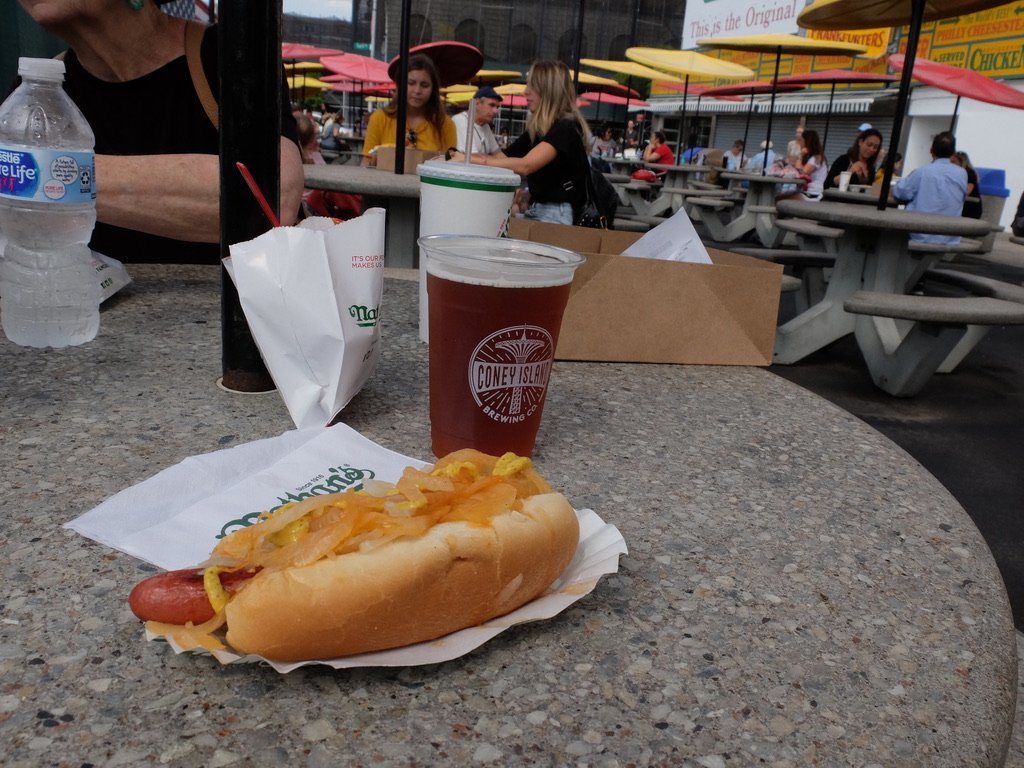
509, 370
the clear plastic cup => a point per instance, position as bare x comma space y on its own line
496, 309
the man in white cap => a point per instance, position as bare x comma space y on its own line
488, 101
762, 159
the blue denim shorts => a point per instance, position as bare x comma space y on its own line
556, 213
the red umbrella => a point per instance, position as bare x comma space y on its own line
299, 51
962, 82
357, 68
349, 86
751, 88
456, 62
834, 76
611, 98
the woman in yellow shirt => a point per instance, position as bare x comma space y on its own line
427, 126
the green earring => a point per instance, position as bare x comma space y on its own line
136, 5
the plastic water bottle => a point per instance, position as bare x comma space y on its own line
49, 292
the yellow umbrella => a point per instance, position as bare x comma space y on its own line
511, 89
632, 69
496, 75
778, 44
687, 63
458, 88
304, 66
306, 81
865, 14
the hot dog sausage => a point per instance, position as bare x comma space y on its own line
178, 597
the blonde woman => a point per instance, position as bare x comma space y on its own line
552, 153
427, 126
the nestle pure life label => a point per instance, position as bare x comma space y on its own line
47, 175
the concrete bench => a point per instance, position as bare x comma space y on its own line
762, 209
810, 235
806, 266
949, 251
1017, 240
977, 284
980, 286
791, 284
627, 224
901, 359
714, 203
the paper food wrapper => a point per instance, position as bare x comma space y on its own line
311, 295
175, 518
673, 240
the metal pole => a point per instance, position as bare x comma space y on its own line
828, 116
771, 112
402, 88
249, 49
682, 119
916, 20
577, 50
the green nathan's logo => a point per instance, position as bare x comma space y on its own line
335, 480
365, 317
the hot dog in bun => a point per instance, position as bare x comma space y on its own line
444, 548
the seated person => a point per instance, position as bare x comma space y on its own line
488, 102
763, 158
427, 126
157, 169
939, 187
658, 151
860, 159
735, 159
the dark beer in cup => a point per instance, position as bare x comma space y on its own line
496, 308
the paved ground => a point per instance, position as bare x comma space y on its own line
966, 427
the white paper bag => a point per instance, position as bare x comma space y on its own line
311, 295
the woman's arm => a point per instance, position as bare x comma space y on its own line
178, 196
531, 162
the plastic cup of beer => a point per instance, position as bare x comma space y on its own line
844, 180
495, 311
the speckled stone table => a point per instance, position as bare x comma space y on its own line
798, 590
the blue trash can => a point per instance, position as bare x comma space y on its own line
993, 191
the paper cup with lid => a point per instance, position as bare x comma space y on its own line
461, 199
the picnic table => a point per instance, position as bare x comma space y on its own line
875, 255
798, 590
757, 212
399, 193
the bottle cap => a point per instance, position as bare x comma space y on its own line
47, 69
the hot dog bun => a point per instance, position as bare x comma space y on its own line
444, 548
454, 576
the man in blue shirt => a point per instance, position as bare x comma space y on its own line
763, 158
939, 187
